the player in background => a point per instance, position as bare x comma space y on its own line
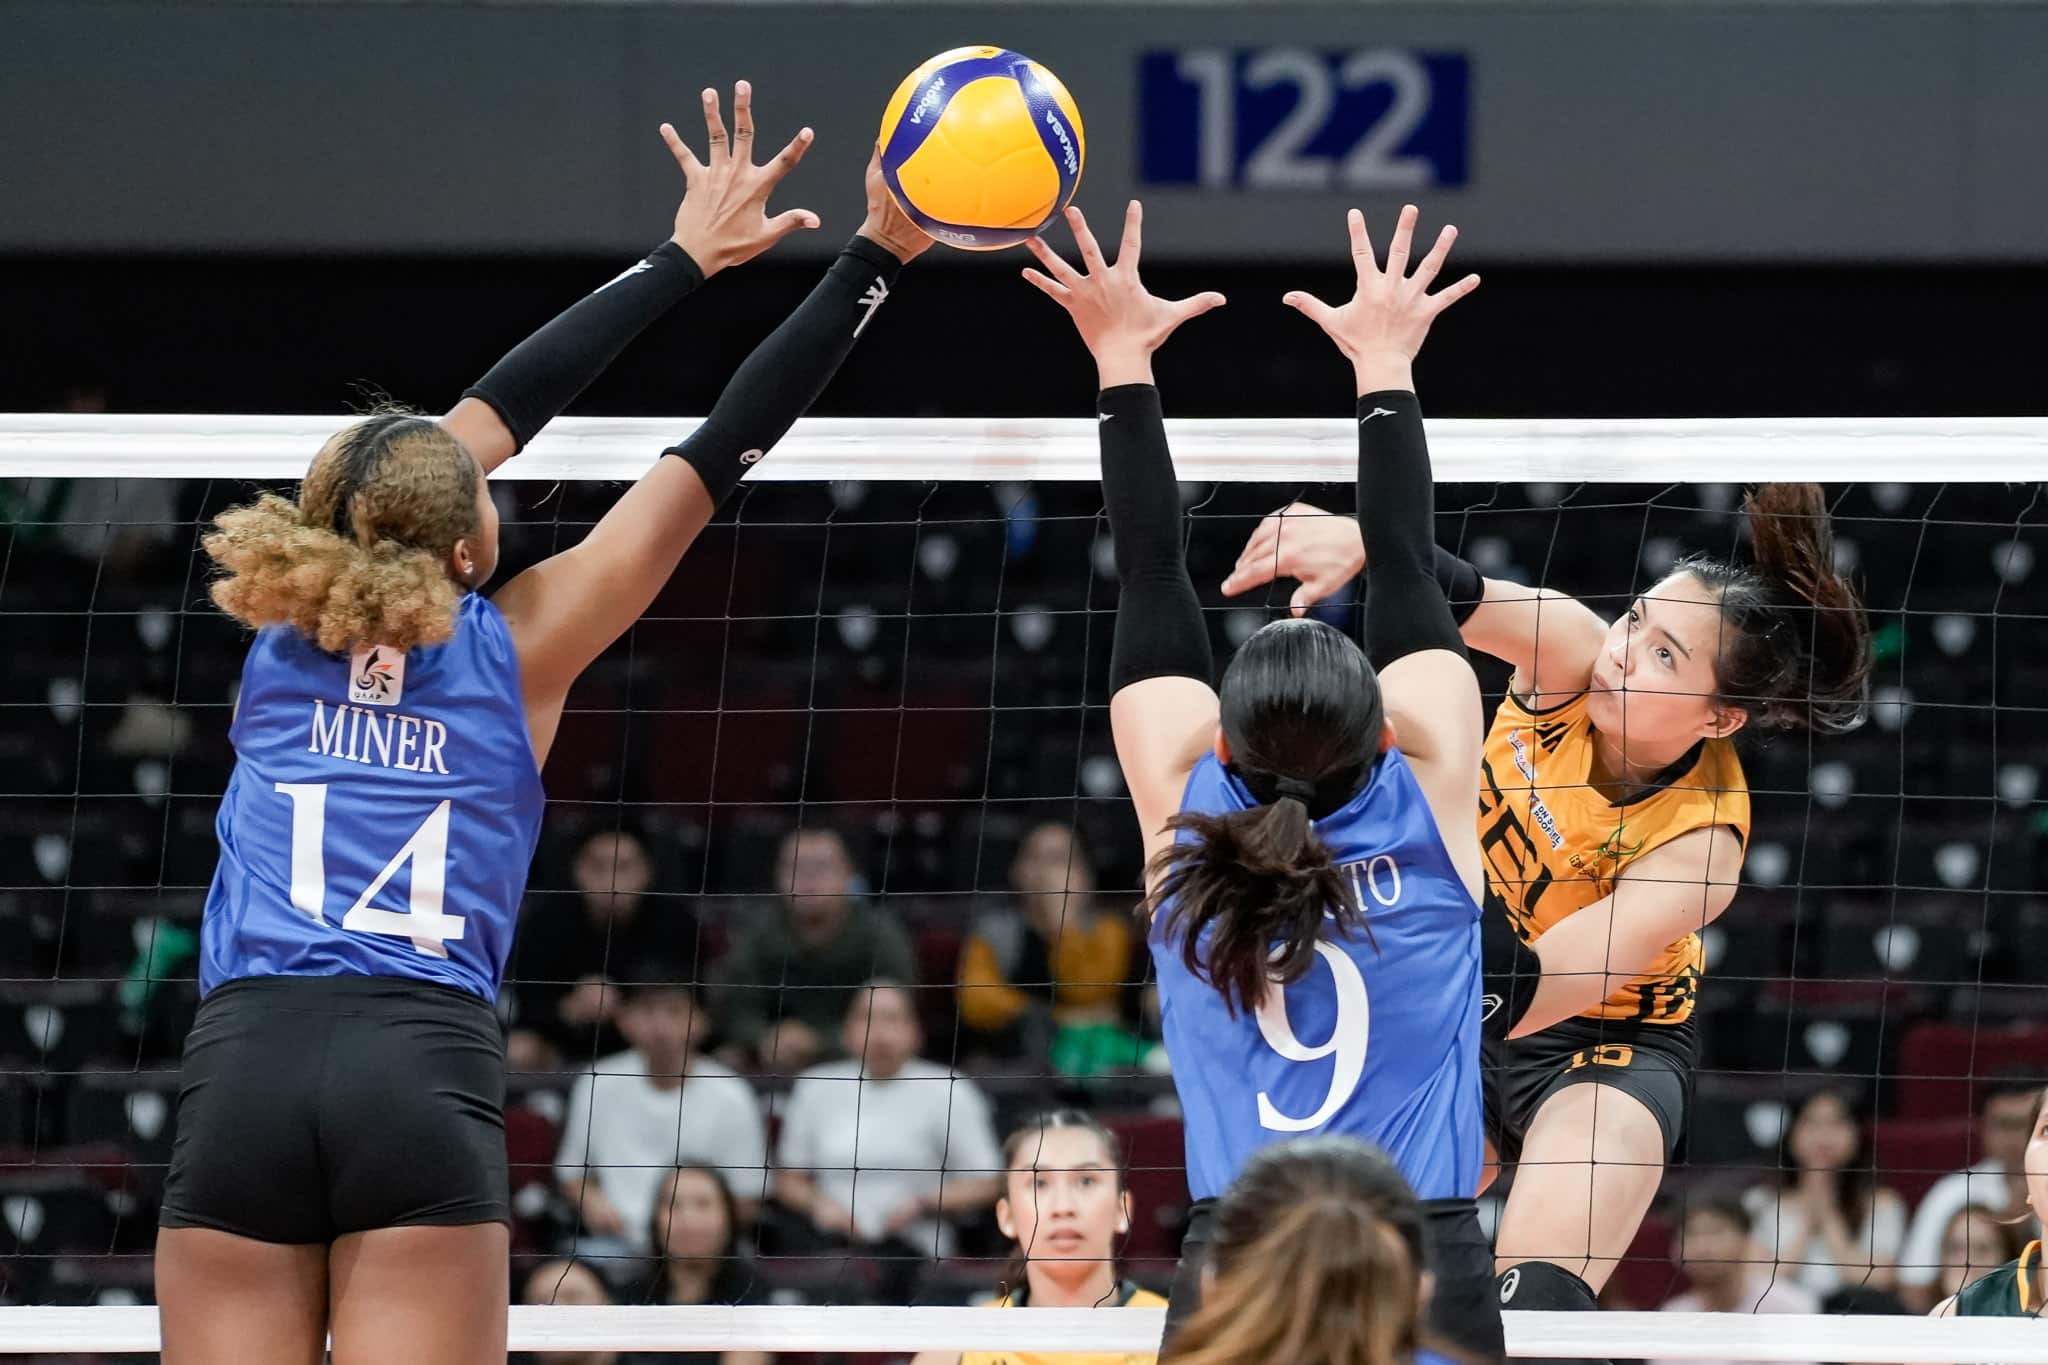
340, 1158
1312, 872
2019, 1288
1614, 814
1065, 1208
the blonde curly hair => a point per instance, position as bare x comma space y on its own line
361, 557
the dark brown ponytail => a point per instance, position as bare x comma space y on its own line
1798, 654
1245, 881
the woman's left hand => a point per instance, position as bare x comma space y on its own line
1121, 321
887, 225
1382, 326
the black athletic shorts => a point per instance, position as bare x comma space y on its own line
1464, 1314
313, 1106
1653, 1062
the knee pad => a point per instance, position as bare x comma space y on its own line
1542, 1287
1538, 1286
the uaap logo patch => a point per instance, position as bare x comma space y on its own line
376, 676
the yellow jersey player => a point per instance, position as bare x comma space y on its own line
1613, 815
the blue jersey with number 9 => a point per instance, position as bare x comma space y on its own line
1379, 1040
382, 813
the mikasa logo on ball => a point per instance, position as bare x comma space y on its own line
1059, 129
376, 676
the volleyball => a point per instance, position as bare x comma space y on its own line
982, 147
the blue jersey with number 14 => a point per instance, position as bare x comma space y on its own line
382, 812
1379, 1040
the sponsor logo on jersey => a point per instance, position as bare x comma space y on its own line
1616, 851
1538, 812
376, 676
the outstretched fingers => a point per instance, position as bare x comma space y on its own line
786, 160
1128, 249
1309, 306
1403, 241
1055, 265
1195, 305
1426, 272
1445, 297
742, 117
1361, 247
1046, 285
788, 221
1091, 250
680, 150
714, 125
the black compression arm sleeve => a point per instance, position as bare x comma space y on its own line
787, 372
1463, 584
544, 373
1405, 610
1159, 628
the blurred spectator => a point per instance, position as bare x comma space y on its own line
640, 1113
883, 1149
568, 1282
1065, 1208
1975, 1244
1717, 1254
568, 949
1828, 1224
1044, 977
695, 1234
788, 983
1996, 1184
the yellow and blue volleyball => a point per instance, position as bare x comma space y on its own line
981, 147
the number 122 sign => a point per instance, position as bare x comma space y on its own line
1292, 118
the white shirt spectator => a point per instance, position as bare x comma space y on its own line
628, 1133
873, 1145
1982, 1186
1801, 1252
1766, 1294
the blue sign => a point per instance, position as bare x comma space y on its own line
1292, 118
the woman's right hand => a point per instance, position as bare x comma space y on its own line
1320, 550
1121, 321
723, 219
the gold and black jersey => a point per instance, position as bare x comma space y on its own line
1554, 843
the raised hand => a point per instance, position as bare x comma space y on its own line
1119, 319
724, 218
1319, 550
887, 226
1383, 325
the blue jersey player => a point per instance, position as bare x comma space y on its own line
1313, 870
340, 1162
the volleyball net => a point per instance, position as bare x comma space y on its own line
874, 695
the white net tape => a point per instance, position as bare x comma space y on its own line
1655, 1336
1979, 450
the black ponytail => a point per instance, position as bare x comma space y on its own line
1247, 892
1798, 651
1248, 880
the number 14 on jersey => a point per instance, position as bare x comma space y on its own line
1294, 118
